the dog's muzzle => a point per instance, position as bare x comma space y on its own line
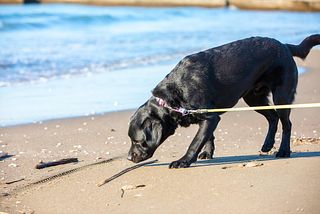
136, 155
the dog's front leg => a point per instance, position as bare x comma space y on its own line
206, 128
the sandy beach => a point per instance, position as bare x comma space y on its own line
237, 180
292, 5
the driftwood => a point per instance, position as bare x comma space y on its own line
125, 171
3, 156
14, 181
56, 163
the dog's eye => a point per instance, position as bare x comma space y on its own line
144, 144
141, 144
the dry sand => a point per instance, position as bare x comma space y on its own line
297, 5
221, 185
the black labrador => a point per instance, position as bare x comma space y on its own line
251, 68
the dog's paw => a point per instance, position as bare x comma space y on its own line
268, 152
266, 148
182, 163
205, 155
283, 154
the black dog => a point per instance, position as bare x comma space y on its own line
251, 68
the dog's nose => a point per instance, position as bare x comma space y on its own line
129, 157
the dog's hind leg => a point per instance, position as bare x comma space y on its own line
280, 99
284, 150
254, 99
284, 94
208, 149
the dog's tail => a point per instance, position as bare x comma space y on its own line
302, 50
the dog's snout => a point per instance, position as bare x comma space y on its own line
129, 157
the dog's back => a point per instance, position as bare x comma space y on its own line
230, 70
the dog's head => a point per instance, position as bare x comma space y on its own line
145, 131
148, 128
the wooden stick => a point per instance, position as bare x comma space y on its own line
125, 171
56, 163
15, 181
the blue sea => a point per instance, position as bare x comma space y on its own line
60, 60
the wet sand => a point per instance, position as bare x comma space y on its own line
237, 180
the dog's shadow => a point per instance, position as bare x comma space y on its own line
244, 159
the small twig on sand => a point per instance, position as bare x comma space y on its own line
129, 187
125, 171
56, 163
14, 181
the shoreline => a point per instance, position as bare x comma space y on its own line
291, 5
306, 66
40, 121
92, 100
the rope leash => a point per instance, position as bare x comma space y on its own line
255, 108
185, 112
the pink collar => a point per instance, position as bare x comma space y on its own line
180, 110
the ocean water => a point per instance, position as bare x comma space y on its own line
72, 60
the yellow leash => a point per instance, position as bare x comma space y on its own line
184, 111
255, 108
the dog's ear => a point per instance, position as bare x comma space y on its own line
156, 133
137, 123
